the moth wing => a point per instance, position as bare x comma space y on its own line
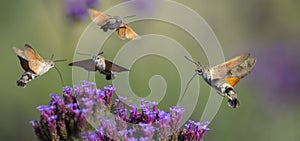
23, 61
35, 66
31, 55
24, 64
19, 53
126, 32
130, 34
221, 70
35, 61
240, 71
30, 60
121, 32
114, 67
232, 81
98, 17
87, 64
243, 69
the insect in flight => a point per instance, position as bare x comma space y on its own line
99, 63
225, 76
33, 64
107, 22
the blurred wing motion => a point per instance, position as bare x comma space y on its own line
87, 64
98, 17
126, 32
240, 71
221, 70
23, 62
30, 60
111, 68
33, 64
108, 69
103, 20
114, 67
225, 76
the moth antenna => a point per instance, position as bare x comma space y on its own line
128, 16
187, 85
86, 54
100, 53
60, 76
61, 60
52, 56
196, 63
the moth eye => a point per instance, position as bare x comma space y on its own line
199, 71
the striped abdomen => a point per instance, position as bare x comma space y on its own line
228, 91
25, 78
230, 94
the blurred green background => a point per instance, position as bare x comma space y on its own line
270, 30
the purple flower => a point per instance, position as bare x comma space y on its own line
37, 129
194, 131
68, 94
92, 137
62, 119
147, 130
76, 9
175, 115
66, 118
143, 124
92, 3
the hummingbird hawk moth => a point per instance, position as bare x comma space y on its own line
225, 76
99, 63
107, 22
33, 64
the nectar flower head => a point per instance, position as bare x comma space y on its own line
63, 119
146, 122
92, 3
77, 9
67, 117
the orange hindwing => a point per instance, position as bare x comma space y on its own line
232, 81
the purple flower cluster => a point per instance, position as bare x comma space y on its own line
91, 98
61, 120
71, 117
64, 118
77, 9
144, 122
194, 131
147, 123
